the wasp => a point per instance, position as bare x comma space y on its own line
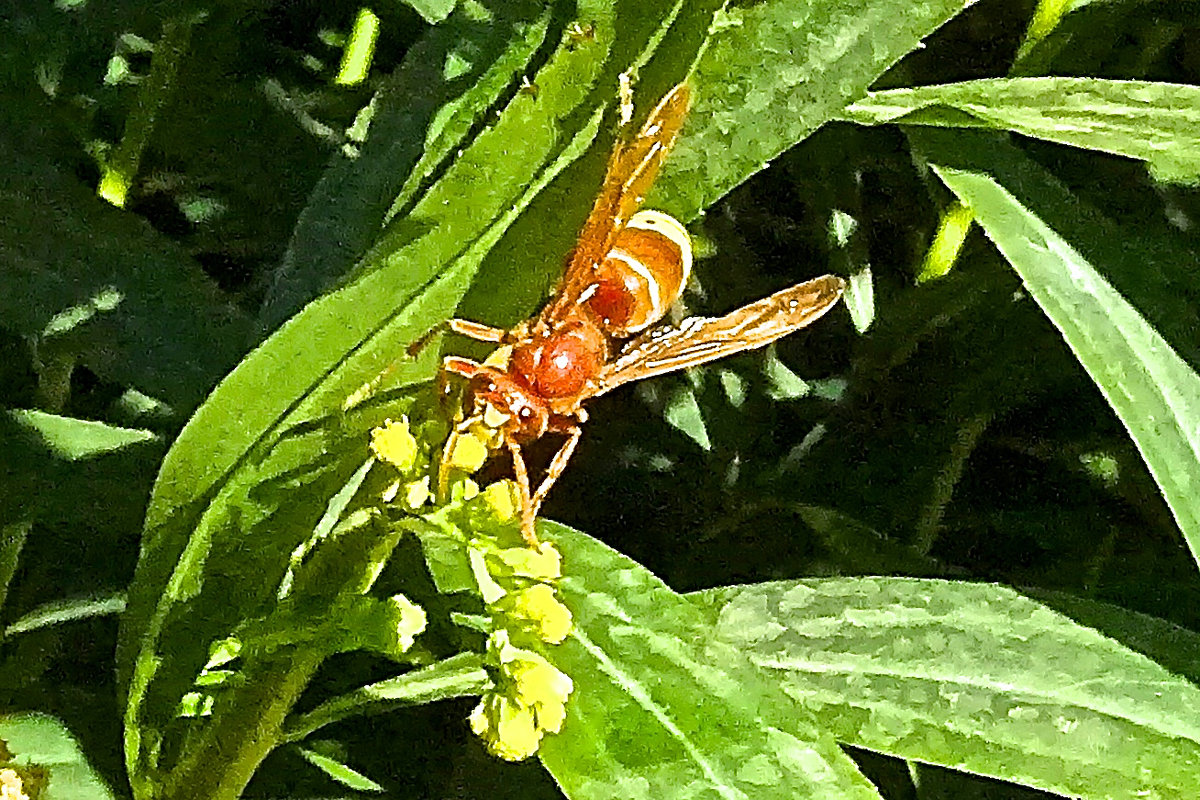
601, 329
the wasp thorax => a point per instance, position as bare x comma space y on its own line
560, 365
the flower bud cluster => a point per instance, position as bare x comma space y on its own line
518, 585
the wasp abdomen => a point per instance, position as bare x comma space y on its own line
642, 275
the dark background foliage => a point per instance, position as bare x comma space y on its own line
958, 437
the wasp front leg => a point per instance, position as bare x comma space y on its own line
463, 327
464, 368
479, 332
468, 429
531, 501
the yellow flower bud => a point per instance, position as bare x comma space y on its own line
417, 493
541, 564
394, 444
538, 609
509, 730
529, 700
469, 452
502, 499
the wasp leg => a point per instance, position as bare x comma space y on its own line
369, 389
453, 365
464, 368
463, 327
528, 512
478, 332
557, 465
444, 464
472, 330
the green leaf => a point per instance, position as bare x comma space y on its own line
359, 50
62, 469
42, 743
432, 11
684, 414
860, 299
1153, 391
662, 710
1174, 647
970, 676
1147, 262
76, 439
1156, 122
772, 74
461, 675
445, 550
82, 278
417, 119
339, 771
61, 612
782, 383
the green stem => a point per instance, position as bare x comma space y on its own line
1046, 17
12, 541
55, 365
930, 522
237, 739
458, 676
360, 49
220, 758
947, 244
118, 172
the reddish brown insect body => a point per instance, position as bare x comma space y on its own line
627, 269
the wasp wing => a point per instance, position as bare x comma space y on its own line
632, 168
698, 340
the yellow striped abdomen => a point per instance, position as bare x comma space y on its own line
642, 275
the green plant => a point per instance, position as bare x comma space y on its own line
295, 578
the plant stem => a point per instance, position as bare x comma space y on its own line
930, 522
221, 763
118, 172
457, 676
360, 49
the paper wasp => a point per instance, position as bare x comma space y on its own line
598, 331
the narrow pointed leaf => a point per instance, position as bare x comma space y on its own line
774, 72
1153, 391
1156, 122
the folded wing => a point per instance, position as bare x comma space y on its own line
632, 168
698, 340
